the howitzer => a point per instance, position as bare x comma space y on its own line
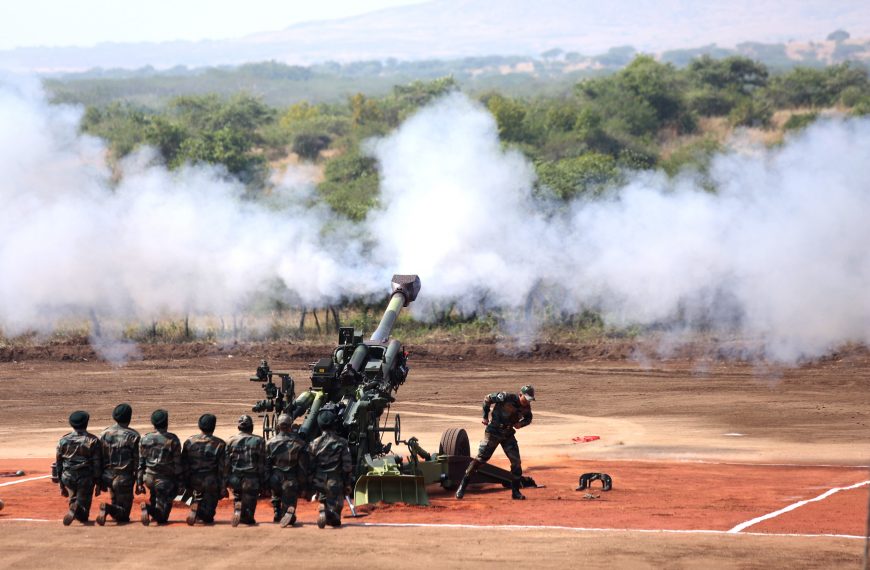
359, 382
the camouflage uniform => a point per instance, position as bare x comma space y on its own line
79, 467
245, 473
204, 460
508, 414
332, 469
120, 447
160, 470
286, 463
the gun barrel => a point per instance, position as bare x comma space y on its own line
405, 290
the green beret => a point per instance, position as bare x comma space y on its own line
207, 422
160, 418
122, 413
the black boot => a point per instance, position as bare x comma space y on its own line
460, 492
515, 491
277, 517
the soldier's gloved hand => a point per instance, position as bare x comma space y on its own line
63, 491
485, 421
348, 491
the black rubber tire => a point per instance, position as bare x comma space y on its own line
454, 441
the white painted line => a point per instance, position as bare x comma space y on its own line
582, 529
794, 506
24, 480
525, 528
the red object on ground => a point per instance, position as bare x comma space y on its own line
584, 438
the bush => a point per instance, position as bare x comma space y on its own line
862, 107
799, 121
751, 112
309, 145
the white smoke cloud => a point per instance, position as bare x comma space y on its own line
158, 242
779, 255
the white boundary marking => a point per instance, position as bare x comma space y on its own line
794, 506
582, 529
526, 528
24, 480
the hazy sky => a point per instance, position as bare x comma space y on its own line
87, 22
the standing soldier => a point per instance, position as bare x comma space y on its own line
160, 468
332, 469
120, 446
204, 460
511, 413
246, 470
79, 467
285, 461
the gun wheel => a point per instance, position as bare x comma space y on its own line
454, 441
454, 444
269, 422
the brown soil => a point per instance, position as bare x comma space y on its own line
667, 433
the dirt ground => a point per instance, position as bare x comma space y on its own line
696, 447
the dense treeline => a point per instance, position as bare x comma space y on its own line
647, 115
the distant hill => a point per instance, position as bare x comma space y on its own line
461, 28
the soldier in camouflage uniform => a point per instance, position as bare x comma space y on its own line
332, 469
160, 469
204, 460
120, 445
79, 467
511, 413
286, 462
246, 470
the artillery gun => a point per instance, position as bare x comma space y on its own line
359, 382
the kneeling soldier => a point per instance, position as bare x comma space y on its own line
511, 413
120, 445
332, 469
246, 470
285, 462
79, 467
204, 460
160, 469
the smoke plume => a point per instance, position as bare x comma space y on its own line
778, 255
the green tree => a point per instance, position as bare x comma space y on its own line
570, 177
509, 116
350, 185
